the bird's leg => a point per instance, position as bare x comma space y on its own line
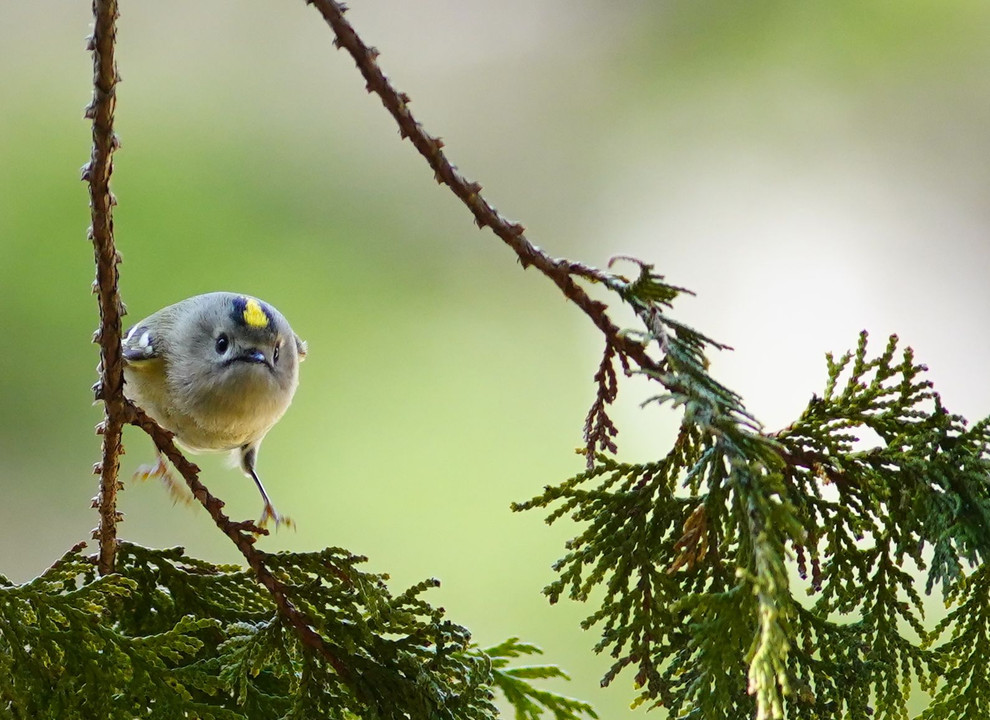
269, 512
160, 471
248, 457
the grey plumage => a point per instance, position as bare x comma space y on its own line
217, 370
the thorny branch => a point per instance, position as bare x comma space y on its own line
97, 173
242, 534
119, 411
561, 271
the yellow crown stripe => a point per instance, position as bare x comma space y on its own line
254, 314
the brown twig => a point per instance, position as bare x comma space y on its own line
561, 272
599, 430
97, 173
119, 411
242, 534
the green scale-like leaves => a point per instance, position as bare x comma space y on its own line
63, 657
693, 560
174, 637
528, 701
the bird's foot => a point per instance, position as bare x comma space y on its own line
151, 472
271, 514
160, 471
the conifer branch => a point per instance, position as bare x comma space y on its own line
110, 387
599, 430
309, 592
242, 534
561, 271
730, 506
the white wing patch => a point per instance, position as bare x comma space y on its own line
139, 344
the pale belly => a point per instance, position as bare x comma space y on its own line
207, 424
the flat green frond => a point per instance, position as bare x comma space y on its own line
962, 689
690, 561
174, 637
528, 701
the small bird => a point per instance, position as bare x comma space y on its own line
218, 371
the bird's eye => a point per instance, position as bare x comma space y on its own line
275, 353
223, 342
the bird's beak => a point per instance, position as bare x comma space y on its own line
254, 355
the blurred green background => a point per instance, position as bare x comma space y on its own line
810, 169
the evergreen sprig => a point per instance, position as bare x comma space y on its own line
964, 691
691, 559
61, 654
174, 637
515, 684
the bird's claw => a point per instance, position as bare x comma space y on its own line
151, 472
271, 514
160, 471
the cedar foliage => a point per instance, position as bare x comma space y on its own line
692, 561
168, 636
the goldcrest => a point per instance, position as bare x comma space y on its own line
218, 371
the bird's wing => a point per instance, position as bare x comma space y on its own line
139, 344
